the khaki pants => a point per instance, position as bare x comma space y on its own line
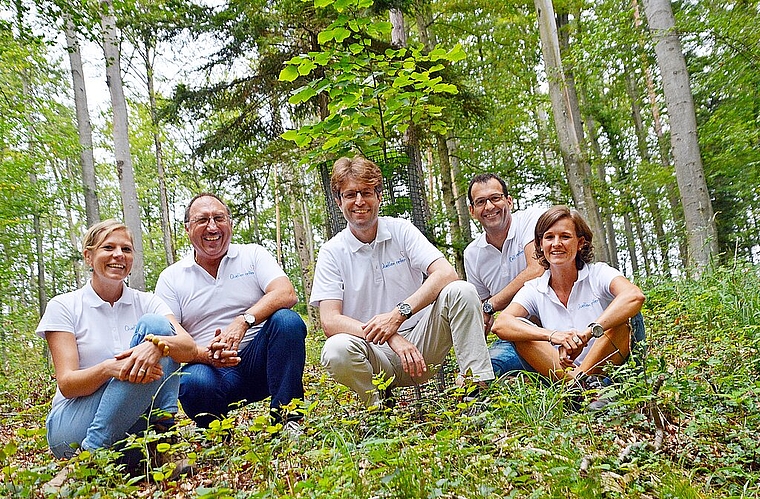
455, 319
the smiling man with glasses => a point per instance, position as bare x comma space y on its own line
501, 259
234, 300
390, 303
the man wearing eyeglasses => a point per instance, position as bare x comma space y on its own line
501, 259
234, 300
380, 314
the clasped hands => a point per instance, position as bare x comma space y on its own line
383, 328
139, 364
223, 349
571, 343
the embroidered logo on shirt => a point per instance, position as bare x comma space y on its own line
393, 263
242, 274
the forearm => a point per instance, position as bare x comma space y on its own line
340, 323
509, 327
84, 382
503, 298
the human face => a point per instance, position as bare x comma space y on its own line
112, 258
210, 238
496, 214
561, 243
360, 210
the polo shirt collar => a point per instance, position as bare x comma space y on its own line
383, 234
543, 280
482, 241
92, 299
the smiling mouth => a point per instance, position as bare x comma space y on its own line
116, 266
212, 238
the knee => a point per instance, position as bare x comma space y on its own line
460, 290
155, 324
288, 322
338, 351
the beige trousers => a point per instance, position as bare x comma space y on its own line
455, 319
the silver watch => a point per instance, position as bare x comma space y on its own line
249, 319
404, 309
597, 331
488, 308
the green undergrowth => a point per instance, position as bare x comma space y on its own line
685, 424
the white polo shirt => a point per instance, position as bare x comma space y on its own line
589, 298
203, 304
491, 270
372, 278
101, 330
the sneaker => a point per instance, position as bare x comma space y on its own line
595, 385
55, 484
293, 430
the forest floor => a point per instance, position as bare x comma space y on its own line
686, 425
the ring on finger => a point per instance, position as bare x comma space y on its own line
576, 339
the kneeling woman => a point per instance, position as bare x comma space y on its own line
114, 350
584, 308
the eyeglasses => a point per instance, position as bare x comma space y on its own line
494, 198
351, 195
203, 221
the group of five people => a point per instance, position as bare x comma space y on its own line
219, 329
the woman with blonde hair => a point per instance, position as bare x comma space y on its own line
114, 350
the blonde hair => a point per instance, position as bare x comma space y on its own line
101, 230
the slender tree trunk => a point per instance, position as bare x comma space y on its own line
641, 142
629, 240
574, 160
460, 188
169, 251
697, 206
84, 125
449, 204
121, 141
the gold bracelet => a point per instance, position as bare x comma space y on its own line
156, 340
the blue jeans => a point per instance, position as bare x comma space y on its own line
271, 364
115, 409
506, 360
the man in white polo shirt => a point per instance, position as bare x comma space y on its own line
501, 259
378, 310
234, 300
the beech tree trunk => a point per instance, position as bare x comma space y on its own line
122, 153
574, 159
84, 125
701, 232
166, 230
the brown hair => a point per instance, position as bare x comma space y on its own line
101, 230
552, 216
357, 168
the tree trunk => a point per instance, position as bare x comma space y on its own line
84, 125
574, 160
449, 204
169, 251
121, 141
695, 198
641, 142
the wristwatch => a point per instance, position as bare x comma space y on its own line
249, 319
488, 308
597, 331
404, 309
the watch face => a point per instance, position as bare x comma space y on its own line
249, 319
597, 331
488, 307
405, 309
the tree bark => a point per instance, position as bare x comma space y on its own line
701, 233
574, 160
166, 232
84, 125
121, 141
